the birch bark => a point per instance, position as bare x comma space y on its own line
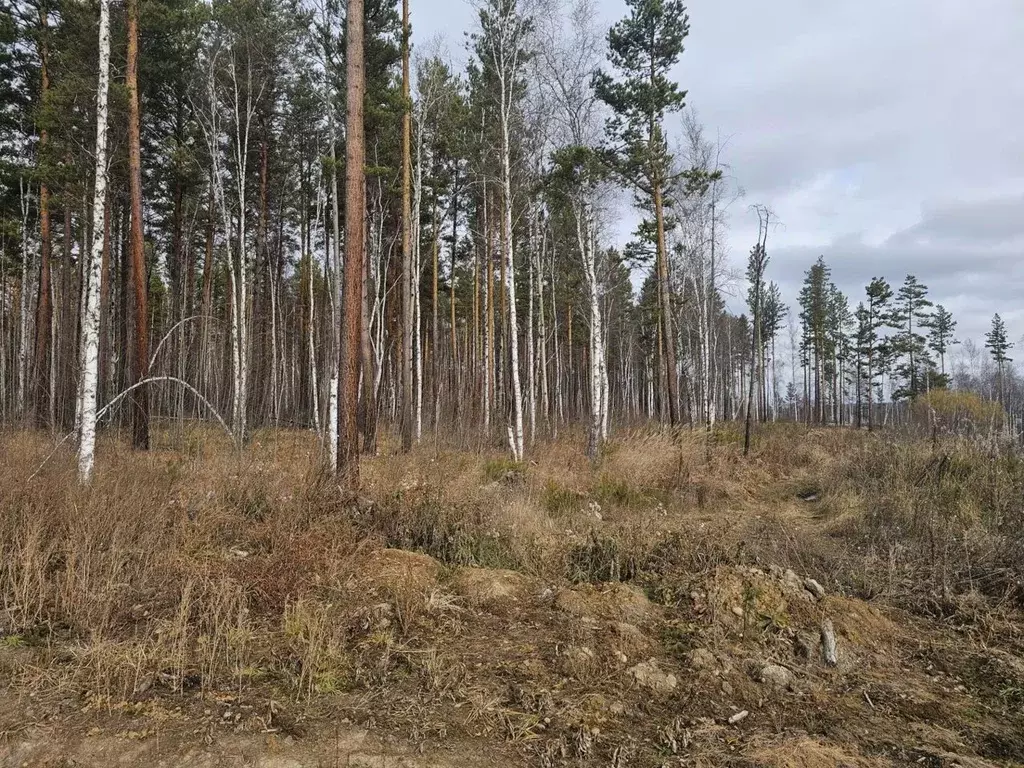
91, 315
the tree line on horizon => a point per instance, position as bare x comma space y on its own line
282, 214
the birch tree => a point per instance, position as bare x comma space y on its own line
501, 44
570, 57
91, 315
701, 197
23, 299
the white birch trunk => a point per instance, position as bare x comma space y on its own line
335, 257
314, 376
240, 279
531, 365
417, 350
91, 317
417, 331
515, 429
598, 374
559, 399
488, 342
217, 179
543, 351
23, 307
505, 50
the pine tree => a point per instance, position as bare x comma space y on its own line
837, 347
910, 317
643, 49
998, 345
814, 315
941, 327
756, 264
140, 416
870, 347
355, 203
773, 312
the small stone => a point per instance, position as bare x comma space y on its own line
805, 645
701, 659
579, 654
737, 611
739, 717
791, 580
727, 688
814, 588
777, 676
649, 675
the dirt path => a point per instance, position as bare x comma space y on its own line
45, 748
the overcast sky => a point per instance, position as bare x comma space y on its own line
887, 135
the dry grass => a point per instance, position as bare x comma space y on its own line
194, 573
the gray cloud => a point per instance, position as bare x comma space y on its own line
885, 134
992, 221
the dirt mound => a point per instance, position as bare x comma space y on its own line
628, 639
610, 602
491, 588
741, 595
396, 570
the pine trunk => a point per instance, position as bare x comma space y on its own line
140, 414
355, 204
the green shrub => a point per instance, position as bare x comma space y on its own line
559, 500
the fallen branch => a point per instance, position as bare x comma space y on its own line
175, 327
828, 643
120, 396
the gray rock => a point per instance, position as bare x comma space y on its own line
805, 645
814, 588
792, 581
649, 675
776, 676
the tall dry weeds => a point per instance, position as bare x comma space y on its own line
194, 567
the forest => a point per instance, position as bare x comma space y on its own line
369, 400
193, 231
